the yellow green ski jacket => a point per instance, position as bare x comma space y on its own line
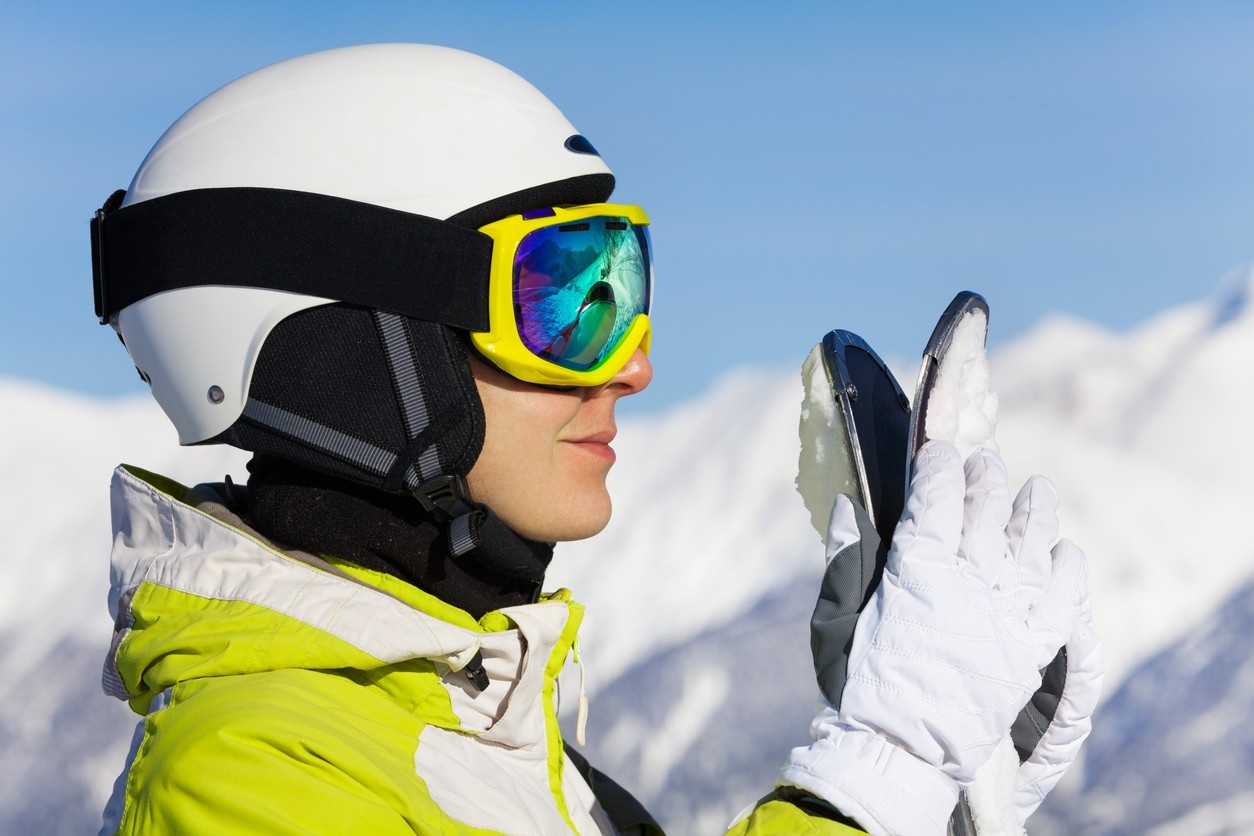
285, 693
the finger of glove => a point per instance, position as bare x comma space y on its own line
1053, 619
931, 526
842, 527
1085, 665
1072, 718
1072, 721
1085, 672
986, 512
1031, 533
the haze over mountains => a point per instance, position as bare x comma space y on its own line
699, 591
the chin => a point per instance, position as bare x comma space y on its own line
583, 533
574, 524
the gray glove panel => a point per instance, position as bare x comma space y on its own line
849, 582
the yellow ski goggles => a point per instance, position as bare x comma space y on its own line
569, 293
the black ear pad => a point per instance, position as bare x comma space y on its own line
380, 399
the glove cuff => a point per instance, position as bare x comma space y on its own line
887, 790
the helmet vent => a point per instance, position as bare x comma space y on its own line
580, 145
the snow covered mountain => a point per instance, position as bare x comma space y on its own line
699, 592
1195, 774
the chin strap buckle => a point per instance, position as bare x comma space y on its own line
447, 493
450, 496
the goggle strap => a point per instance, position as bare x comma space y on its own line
296, 242
572, 191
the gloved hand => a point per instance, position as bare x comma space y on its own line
1046, 736
1062, 713
948, 650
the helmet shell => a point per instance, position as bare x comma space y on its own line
419, 128
423, 129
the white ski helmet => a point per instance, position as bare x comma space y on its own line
285, 268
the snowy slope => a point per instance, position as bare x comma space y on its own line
700, 586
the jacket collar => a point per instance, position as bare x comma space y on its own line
193, 594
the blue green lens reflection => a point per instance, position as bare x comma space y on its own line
578, 287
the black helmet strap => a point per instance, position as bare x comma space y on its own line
298, 242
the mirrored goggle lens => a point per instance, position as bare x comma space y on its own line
578, 287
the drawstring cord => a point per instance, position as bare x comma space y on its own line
581, 722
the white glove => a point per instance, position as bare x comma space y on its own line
1052, 729
1073, 717
946, 653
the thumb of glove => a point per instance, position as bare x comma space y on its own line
855, 562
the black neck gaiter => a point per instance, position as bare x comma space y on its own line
389, 533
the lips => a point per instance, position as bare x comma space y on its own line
602, 437
597, 443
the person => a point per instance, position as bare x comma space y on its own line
391, 273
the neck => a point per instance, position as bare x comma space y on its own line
388, 533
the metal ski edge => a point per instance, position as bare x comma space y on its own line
843, 393
937, 345
963, 303
835, 345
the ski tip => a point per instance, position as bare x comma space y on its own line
964, 303
836, 344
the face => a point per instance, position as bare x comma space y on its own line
546, 452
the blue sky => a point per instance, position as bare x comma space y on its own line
806, 165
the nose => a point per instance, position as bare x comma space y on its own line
635, 375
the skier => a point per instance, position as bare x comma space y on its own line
390, 272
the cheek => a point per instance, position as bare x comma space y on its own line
542, 488
560, 505
512, 461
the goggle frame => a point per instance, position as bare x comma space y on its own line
503, 346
